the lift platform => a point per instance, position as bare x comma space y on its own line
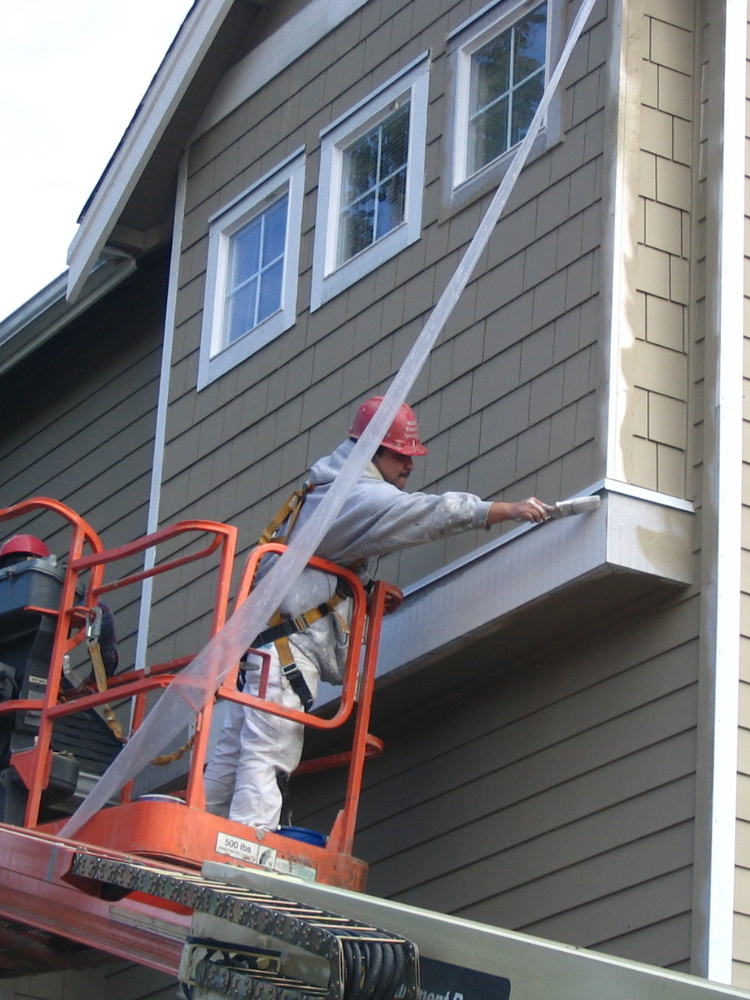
231, 911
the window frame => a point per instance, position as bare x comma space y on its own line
328, 277
216, 359
495, 18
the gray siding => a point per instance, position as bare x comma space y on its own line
78, 421
556, 799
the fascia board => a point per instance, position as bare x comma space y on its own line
139, 142
626, 535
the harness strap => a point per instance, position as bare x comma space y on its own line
280, 629
286, 627
288, 511
93, 631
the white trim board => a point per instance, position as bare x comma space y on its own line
729, 140
628, 534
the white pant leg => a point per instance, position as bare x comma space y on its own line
258, 747
218, 777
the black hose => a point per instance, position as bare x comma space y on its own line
374, 970
387, 973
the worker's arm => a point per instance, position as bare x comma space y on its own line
523, 510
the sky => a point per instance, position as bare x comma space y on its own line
72, 73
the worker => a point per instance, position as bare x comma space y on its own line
256, 751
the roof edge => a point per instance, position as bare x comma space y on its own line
172, 79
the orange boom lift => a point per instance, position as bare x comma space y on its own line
173, 835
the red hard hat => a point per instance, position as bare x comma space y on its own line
27, 545
403, 435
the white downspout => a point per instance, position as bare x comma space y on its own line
161, 411
726, 198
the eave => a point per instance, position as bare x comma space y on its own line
48, 312
140, 141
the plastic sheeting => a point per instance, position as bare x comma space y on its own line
189, 692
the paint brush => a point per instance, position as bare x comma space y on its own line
579, 505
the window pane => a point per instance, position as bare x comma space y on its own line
490, 77
395, 143
241, 311
274, 233
506, 84
361, 173
270, 290
525, 102
256, 270
391, 204
530, 44
488, 136
357, 227
246, 253
373, 185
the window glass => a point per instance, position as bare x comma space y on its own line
256, 270
373, 197
506, 84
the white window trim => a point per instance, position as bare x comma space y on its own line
463, 42
214, 360
329, 280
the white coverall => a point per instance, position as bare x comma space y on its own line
255, 747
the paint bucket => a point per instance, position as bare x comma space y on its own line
302, 833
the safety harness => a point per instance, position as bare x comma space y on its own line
280, 629
93, 635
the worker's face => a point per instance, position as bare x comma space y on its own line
394, 468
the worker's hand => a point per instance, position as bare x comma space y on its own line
533, 510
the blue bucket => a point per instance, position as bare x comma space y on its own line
302, 833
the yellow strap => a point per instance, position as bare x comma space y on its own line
289, 510
168, 758
100, 675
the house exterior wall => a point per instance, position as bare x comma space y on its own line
553, 795
507, 401
511, 403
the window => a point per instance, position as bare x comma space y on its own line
373, 190
251, 277
501, 58
505, 87
256, 269
371, 183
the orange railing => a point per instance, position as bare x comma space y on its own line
357, 688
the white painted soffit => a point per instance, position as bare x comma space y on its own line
637, 532
142, 136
